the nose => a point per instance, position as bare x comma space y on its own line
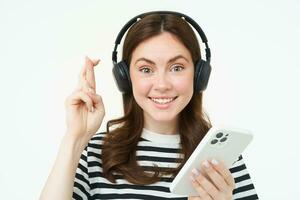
162, 83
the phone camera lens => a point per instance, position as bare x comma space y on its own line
223, 139
219, 135
214, 141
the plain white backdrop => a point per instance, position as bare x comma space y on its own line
254, 82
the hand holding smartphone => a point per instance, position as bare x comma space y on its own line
222, 143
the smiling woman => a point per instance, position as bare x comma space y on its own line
162, 78
168, 89
151, 45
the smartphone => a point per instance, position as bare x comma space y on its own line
221, 142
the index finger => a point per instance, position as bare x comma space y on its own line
89, 72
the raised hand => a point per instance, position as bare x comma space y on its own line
215, 181
84, 108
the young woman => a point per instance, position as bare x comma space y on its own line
140, 153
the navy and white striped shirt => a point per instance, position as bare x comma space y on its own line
153, 149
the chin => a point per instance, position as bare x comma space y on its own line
163, 117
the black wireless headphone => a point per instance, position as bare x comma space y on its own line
121, 70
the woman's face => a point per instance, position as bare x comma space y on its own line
162, 74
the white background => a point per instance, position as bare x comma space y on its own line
254, 83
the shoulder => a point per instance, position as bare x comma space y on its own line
244, 186
239, 170
97, 138
95, 143
238, 165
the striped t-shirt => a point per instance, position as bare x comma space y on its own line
153, 149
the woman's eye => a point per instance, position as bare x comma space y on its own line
178, 68
145, 70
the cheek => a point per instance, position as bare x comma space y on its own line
141, 86
183, 85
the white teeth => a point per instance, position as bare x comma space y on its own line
162, 101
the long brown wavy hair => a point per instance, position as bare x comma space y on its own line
119, 147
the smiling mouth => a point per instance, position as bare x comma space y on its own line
162, 100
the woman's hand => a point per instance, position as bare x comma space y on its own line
215, 181
84, 108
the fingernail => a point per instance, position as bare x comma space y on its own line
92, 109
214, 161
195, 172
206, 164
192, 178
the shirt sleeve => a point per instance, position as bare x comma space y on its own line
244, 188
81, 187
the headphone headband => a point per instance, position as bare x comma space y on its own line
135, 19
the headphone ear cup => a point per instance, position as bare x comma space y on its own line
202, 74
122, 77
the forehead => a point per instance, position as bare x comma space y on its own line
161, 47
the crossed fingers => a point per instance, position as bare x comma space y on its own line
87, 80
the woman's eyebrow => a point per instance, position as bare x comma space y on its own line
152, 62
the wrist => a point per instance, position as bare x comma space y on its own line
76, 143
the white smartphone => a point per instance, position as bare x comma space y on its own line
221, 142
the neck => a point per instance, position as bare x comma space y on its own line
162, 127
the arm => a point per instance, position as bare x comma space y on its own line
59, 184
84, 115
